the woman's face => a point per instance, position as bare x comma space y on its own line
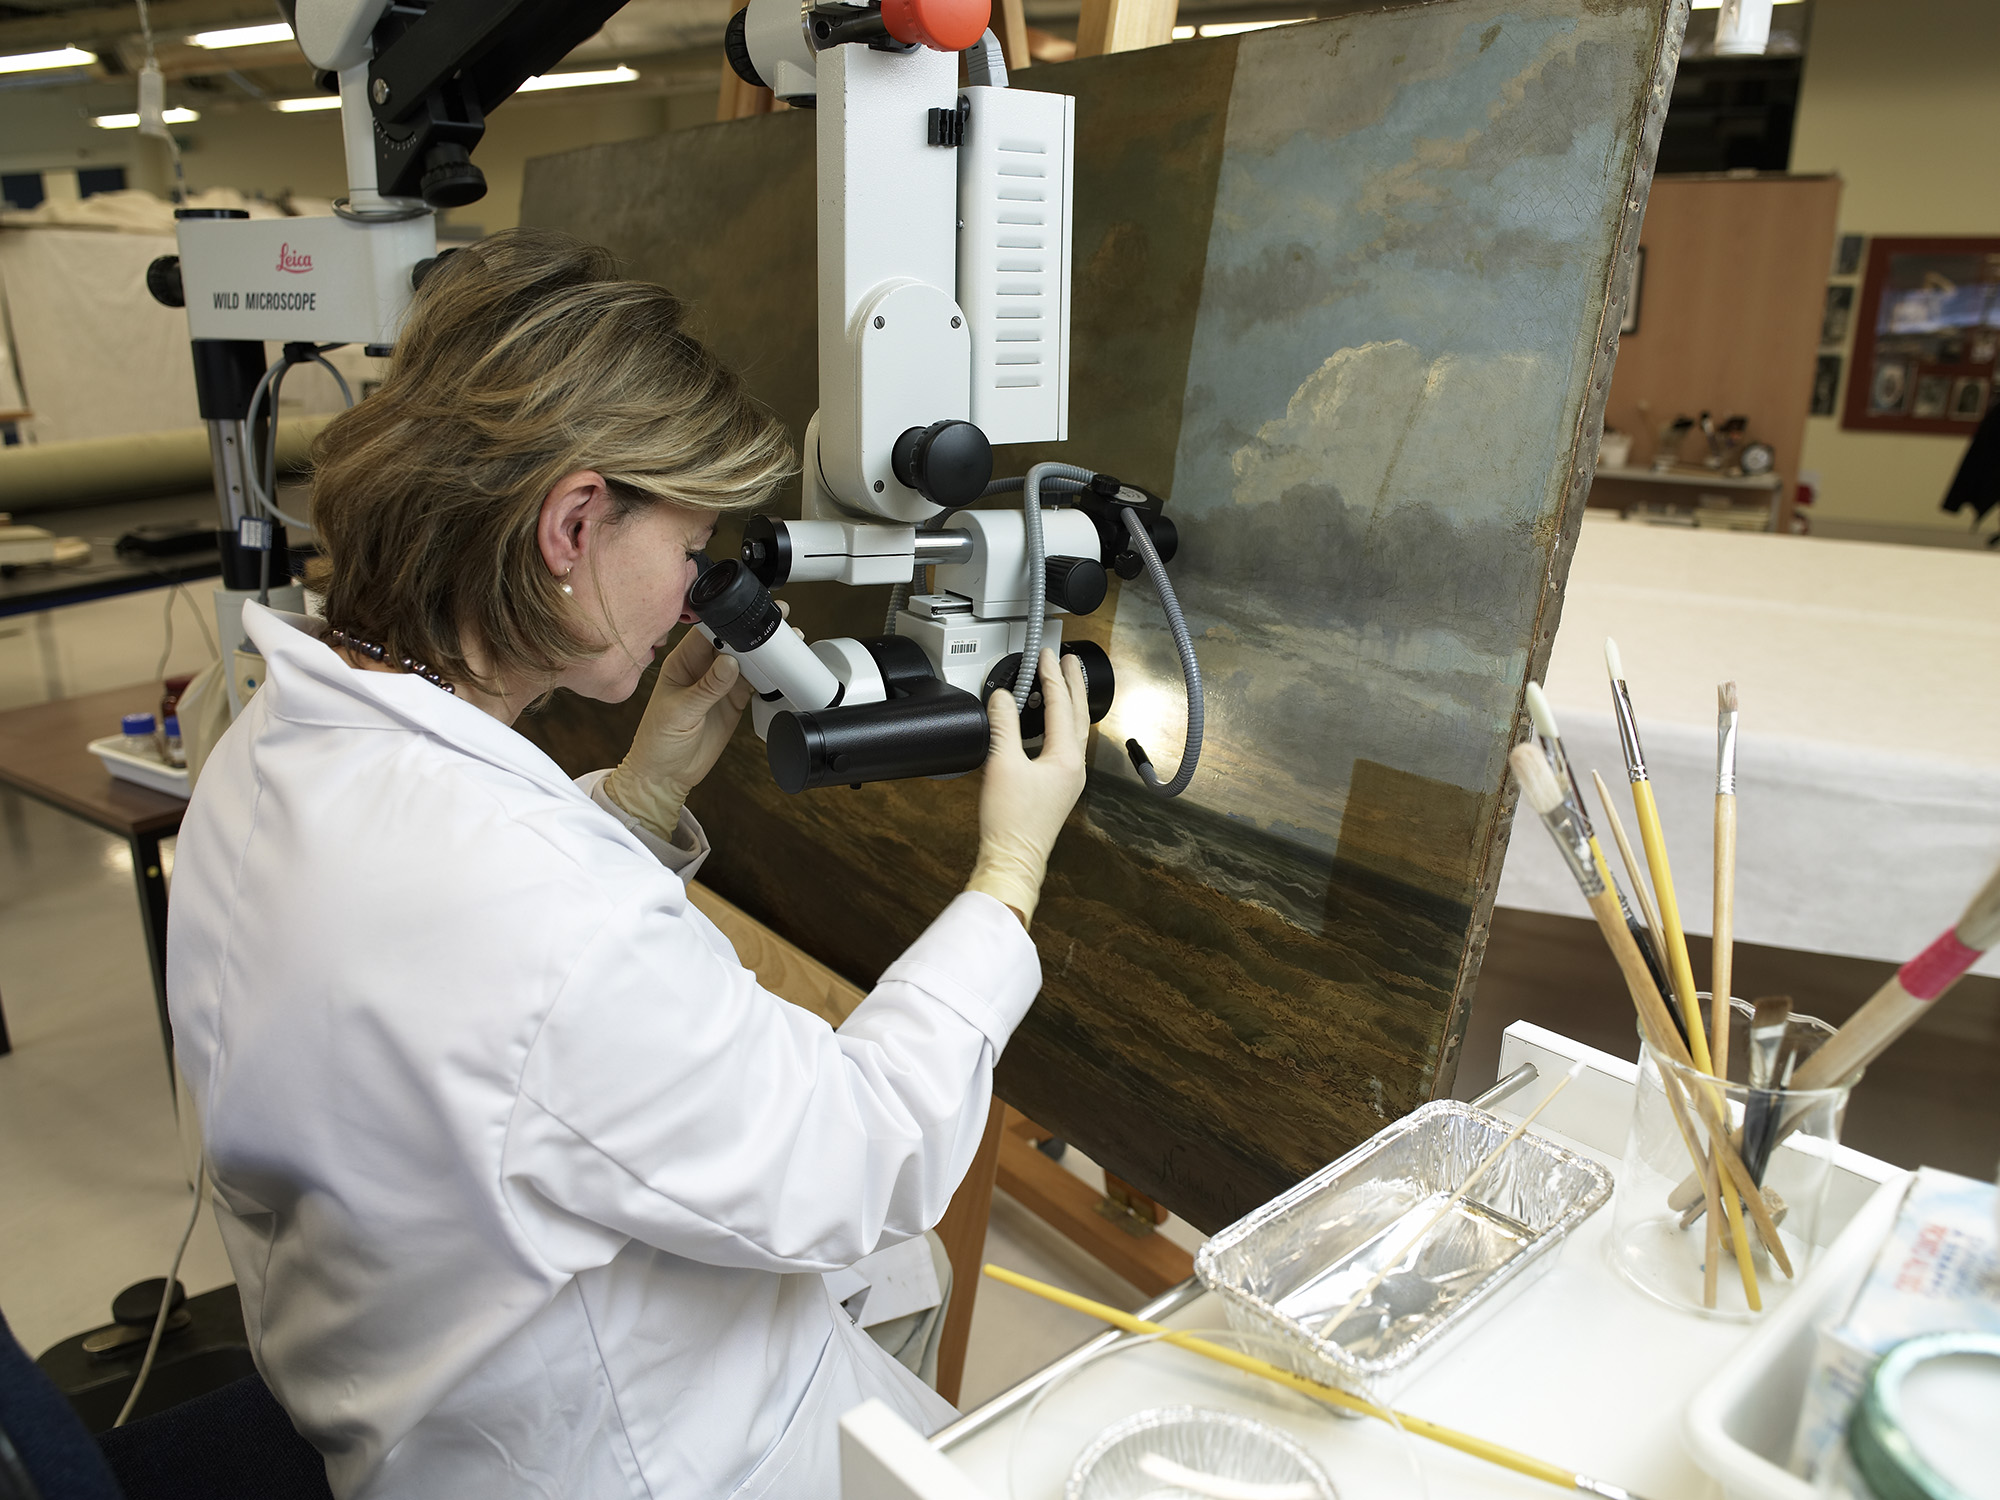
630, 584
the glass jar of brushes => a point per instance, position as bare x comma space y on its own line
1663, 1238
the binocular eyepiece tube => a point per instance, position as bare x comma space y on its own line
739, 614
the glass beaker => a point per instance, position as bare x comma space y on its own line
1785, 1139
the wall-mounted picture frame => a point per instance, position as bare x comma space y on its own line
1968, 398
1847, 254
1889, 388
1933, 397
1839, 313
1927, 317
1826, 386
1633, 290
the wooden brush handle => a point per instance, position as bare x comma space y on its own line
1722, 975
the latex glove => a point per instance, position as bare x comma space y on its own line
698, 697
1022, 802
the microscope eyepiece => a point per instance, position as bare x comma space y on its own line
735, 606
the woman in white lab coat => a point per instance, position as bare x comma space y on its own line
527, 1185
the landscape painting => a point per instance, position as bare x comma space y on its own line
1347, 293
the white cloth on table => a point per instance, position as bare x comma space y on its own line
1868, 796
528, 1187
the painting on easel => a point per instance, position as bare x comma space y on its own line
1348, 293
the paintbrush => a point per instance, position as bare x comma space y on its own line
1464, 1442
1892, 1010
1719, 992
1538, 785
1471, 1181
1544, 718
1650, 947
1651, 835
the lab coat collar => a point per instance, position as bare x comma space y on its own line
307, 683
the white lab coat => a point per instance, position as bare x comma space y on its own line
527, 1185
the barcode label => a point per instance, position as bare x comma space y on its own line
254, 534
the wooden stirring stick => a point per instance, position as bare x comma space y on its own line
1464, 1442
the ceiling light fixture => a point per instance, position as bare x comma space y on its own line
35, 62
310, 101
619, 74
176, 116
243, 36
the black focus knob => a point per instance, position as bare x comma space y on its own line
450, 179
948, 463
1076, 584
163, 280
736, 47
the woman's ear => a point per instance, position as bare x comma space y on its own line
575, 506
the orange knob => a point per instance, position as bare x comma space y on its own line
942, 25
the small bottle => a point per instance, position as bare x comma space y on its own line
170, 743
137, 736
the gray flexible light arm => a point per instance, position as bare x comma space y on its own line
1142, 543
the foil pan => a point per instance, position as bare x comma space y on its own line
1287, 1269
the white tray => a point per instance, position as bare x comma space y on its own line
1739, 1428
145, 770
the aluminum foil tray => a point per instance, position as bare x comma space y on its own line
1289, 1267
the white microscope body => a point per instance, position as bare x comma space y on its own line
944, 328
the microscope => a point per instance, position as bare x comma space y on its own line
944, 328
944, 291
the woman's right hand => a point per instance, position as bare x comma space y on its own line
1022, 802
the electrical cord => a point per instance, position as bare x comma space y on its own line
177, 591
1038, 581
1142, 543
166, 1298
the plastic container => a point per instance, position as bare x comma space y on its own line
1195, 1450
1656, 1247
144, 769
171, 749
1740, 1426
135, 735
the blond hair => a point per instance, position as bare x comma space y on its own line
523, 359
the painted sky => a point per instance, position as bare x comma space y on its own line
1404, 282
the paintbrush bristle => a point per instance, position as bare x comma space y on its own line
1541, 713
1725, 697
1771, 1010
1611, 660
1538, 782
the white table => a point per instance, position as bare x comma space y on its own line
1869, 767
1580, 1369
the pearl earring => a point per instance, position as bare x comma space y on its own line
565, 587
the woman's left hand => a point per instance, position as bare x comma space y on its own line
697, 700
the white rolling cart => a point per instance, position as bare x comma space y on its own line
1580, 1369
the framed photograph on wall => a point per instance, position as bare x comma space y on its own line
1637, 285
1839, 313
1888, 388
1826, 385
1933, 396
1847, 255
1968, 398
1927, 320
